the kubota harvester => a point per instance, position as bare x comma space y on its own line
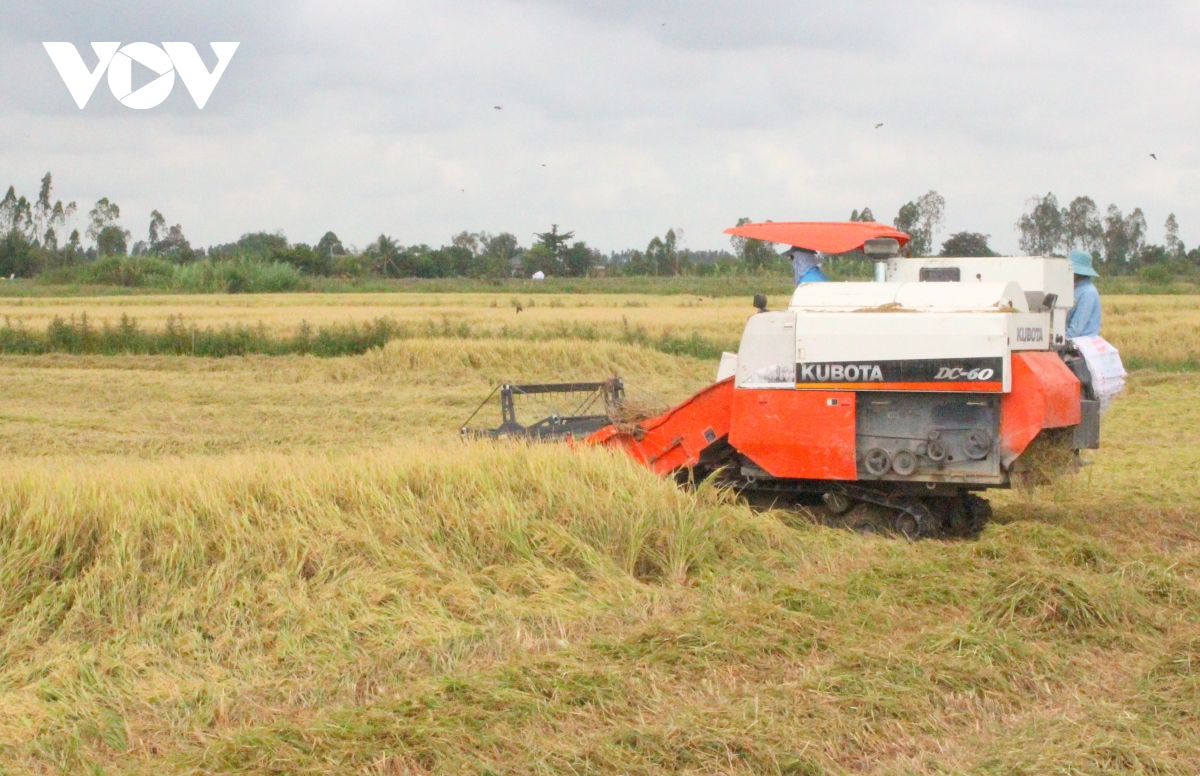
888, 405
906, 395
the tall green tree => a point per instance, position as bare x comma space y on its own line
20, 254
1124, 237
554, 240
906, 221
500, 254
49, 217
329, 245
1081, 226
305, 259
540, 258
168, 241
102, 214
479, 264
967, 244
472, 241
386, 257
262, 244
579, 260
753, 255
1041, 226
16, 215
662, 255
548, 254
111, 239
1173, 244
671, 252
920, 220
158, 227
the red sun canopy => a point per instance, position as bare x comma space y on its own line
823, 236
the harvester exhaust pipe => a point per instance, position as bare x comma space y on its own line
880, 250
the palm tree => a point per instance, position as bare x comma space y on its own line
386, 252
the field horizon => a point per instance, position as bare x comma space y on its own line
738, 284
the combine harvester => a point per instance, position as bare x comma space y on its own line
887, 405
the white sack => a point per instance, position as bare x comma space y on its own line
1104, 362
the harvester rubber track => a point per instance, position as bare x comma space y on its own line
865, 509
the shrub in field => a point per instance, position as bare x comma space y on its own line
226, 276
80, 336
1157, 273
130, 271
238, 277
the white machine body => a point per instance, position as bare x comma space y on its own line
1038, 277
922, 330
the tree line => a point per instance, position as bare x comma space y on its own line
1117, 241
32, 245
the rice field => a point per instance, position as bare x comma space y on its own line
679, 323
282, 314
292, 564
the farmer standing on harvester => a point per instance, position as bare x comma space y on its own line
1083, 320
806, 265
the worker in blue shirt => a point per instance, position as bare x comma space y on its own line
806, 265
1083, 320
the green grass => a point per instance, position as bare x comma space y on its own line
78, 336
1134, 285
115, 278
735, 285
1136, 362
157, 273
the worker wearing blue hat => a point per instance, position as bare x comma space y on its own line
1084, 318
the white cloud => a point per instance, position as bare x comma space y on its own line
375, 117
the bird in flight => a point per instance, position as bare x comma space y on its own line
877, 126
499, 107
1154, 157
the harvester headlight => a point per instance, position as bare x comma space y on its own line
881, 248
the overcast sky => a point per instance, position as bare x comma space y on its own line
620, 119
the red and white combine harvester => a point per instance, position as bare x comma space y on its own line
890, 404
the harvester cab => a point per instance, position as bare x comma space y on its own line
888, 404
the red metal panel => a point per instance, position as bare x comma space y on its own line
1045, 394
676, 438
824, 236
796, 434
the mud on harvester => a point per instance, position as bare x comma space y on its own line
888, 405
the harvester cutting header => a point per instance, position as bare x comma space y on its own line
908, 394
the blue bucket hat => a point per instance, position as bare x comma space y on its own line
1081, 264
